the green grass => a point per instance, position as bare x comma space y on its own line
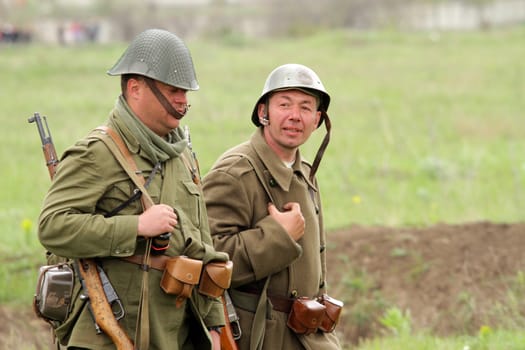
426, 128
487, 339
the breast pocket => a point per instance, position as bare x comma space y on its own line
118, 194
190, 202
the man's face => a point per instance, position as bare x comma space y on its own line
293, 116
152, 113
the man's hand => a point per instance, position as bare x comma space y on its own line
156, 220
215, 340
291, 219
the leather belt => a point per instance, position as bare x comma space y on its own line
279, 303
157, 262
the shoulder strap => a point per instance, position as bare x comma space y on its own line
121, 152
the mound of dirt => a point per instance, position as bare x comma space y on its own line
451, 278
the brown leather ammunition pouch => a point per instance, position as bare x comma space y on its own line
179, 277
216, 277
306, 315
332, 313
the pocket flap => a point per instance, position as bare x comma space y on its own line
184, 269
220, 273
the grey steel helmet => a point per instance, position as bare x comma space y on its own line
160, 55
288, 77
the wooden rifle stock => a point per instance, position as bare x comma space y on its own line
51, 159
102, 312
227, 339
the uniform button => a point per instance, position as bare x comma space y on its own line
294, 293
117, 251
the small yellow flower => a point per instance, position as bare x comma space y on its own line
485, 331
356, 199
27, 225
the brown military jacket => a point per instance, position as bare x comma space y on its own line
237, 203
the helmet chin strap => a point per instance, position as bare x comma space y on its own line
322, 148
163, 101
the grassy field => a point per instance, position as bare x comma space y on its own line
426, 127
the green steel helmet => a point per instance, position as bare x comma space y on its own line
294, 76
160, 55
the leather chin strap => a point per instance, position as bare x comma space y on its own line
162, 99
322, 148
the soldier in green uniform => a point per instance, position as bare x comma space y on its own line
83, 215
264, 209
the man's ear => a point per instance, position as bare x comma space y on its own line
261, 110
133, 88
263, 114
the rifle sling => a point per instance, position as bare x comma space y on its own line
137, 194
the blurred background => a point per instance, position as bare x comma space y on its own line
427, 112
71, 22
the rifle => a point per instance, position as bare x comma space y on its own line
99, 305
87, 269
232, 330
50, 154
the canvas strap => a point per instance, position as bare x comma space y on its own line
121, 152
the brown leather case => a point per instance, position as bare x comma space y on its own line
180, 275
306, 316
216, 277
333, 311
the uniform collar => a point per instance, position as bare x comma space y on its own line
281, 174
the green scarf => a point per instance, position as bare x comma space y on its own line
156, 148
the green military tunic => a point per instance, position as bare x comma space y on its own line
89, 184
237, 204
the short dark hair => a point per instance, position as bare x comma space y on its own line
124, 78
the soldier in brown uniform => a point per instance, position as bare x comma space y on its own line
83, 215
264, 209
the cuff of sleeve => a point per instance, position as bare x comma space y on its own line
215, 317
124, 235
